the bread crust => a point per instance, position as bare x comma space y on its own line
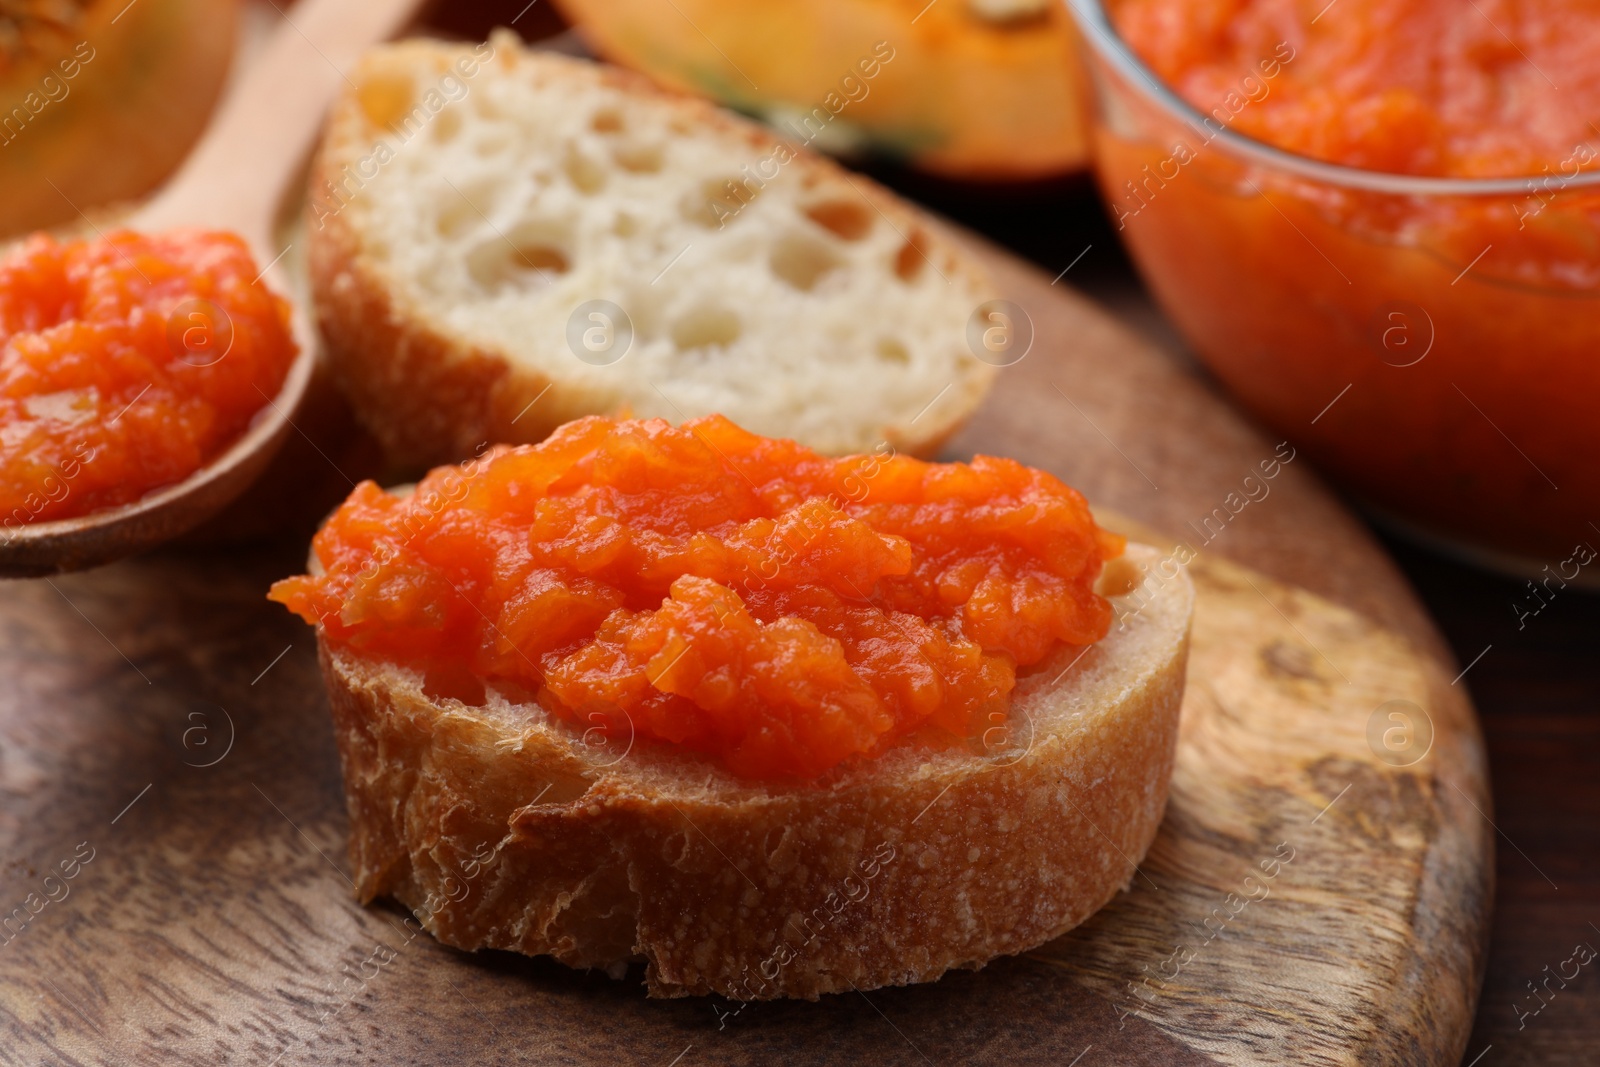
425, 396
431, 397
500, 828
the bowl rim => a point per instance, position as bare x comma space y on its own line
1094, 26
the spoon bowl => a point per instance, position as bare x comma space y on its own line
44, 548
237, 178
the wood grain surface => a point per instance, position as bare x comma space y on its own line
164, 737
1538, 697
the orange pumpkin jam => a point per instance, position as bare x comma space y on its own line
1402, 86
1459, 331
703, 586
126, 364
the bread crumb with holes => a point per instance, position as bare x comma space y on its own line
754, 279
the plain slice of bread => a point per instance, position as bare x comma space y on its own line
502, 828
464, 211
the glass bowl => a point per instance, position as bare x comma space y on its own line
1432, 343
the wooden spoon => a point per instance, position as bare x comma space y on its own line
237, 178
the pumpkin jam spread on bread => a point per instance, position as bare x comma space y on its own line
779, 611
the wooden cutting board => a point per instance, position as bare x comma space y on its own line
172, 834
164, 738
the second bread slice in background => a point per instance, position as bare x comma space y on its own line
503, 239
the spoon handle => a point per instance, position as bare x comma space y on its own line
257, 143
